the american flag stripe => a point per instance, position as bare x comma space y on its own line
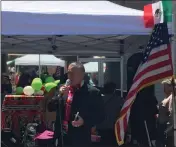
156, 58
149, 74
160, 48
156, 65
152, 76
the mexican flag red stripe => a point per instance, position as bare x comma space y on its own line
158, 12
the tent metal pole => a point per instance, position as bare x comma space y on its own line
121, 67
121, 75
174, 73
77, 58
39, 67
65, 68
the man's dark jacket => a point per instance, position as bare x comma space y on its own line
88, 102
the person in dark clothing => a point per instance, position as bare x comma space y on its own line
109, 88
83, 99
24, 80
87, 79
146, 104
6, 86
63, 78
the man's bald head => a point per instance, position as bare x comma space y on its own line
76, 73
77, 65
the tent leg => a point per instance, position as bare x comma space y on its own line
121, 66
39, 67
121, 75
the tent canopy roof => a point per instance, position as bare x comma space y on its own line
47, 60
79, 45
70, 18
69, 7
69, 27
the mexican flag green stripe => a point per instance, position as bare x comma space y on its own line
158, 12
167, 8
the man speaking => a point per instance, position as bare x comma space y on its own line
82, 108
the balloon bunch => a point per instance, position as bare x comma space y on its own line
38, 88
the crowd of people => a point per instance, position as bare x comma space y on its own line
158, 117
99, 108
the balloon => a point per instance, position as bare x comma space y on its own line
37, 79
37, 84
57, 82
28, 90
49, 79
19, 90
49, 86
40, 92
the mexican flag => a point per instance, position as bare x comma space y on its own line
158, 12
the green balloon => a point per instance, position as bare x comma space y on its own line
37, 79
57, 82
49, 79
49, 86
37, 84
40, 92
19, 90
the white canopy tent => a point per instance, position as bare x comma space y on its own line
43, 60
70, 18
85, 19
68, 27
92, 67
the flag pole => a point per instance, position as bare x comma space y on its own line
173, 47
148, 136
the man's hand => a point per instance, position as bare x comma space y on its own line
78, 123
64, 90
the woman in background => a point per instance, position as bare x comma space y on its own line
164, 116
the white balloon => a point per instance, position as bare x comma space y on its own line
28, 90
39, 93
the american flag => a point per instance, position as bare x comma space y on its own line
156, 65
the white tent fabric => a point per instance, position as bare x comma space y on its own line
47, 60
70, 18
92, 67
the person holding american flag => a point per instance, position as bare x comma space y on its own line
156, 65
